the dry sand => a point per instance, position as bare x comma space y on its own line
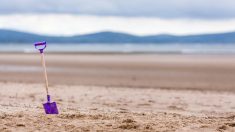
119, 93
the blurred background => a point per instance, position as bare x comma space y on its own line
135, 43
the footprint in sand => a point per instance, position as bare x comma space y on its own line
173, 107
128, 124
144, 104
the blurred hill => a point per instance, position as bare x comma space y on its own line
9, 36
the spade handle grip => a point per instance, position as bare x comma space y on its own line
40, 46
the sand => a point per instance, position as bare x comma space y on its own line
130, 92
212, 72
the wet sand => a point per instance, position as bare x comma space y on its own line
112, 92
201, 72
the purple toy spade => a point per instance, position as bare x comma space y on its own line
50, 107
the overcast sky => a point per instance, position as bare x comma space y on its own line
183, 16
205, 9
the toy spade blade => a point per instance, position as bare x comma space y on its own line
50, 107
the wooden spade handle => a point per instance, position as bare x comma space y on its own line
45, 71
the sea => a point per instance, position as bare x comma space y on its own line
124, 48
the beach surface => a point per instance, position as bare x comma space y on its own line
119, 92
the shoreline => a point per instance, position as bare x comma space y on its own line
116, 53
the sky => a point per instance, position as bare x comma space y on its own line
139, 17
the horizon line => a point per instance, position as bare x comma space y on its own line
110, 31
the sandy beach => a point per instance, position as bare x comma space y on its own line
119, 92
